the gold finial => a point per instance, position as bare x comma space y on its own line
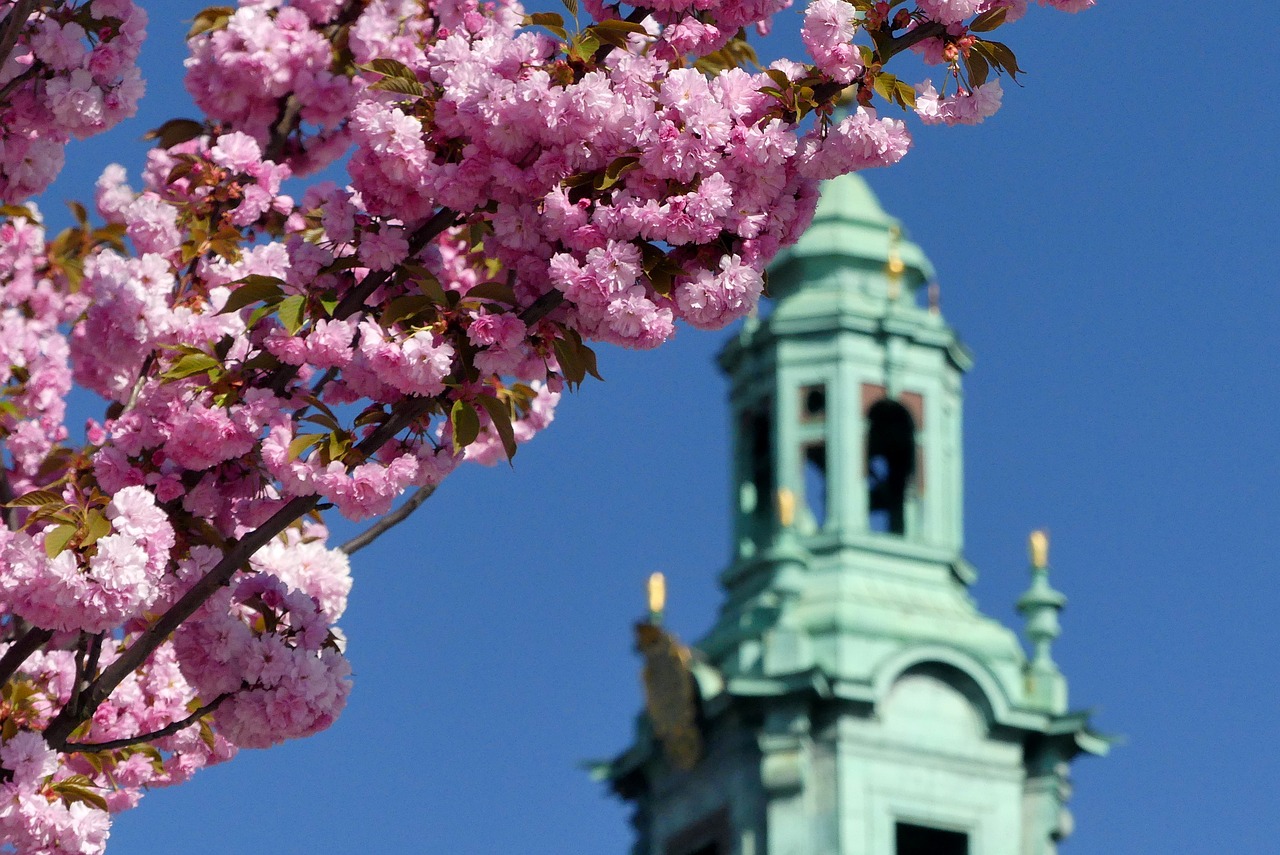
895, 266
1038, 546
657, 596
786, 507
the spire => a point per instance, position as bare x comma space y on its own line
1040, 606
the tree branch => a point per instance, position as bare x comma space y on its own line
389, 521
69, 718
167, 730
929, 30
443, 219
13, 25
21, 649
542, 307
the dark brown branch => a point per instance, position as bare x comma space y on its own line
542, 307
354, 301
21, 649
930, 30
13, 25
167, 730
68, 719
389, 521
290, 112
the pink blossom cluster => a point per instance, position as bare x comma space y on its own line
828, 32
72, 73
43, 808
32, 822
958, 11
271, 651
269, 645
514, 197
34, 370
963, 108
93, 589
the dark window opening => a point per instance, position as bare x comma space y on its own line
709, 849
759, 433
813, 403
815, 481
920, 840
891, 457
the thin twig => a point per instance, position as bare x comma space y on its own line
167, 730
389, 521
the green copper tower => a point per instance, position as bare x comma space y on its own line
850, 698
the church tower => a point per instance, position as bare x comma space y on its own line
850, 698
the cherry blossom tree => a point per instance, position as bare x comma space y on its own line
521, 187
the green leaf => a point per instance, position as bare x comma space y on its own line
589, 361
570, 365
206, 734
301, 443
78, 788
466, 424
325, 420
779, 77
175, 131
500, 415
18, 211
405, 306
543, 19
576, 359
36, 498
977, 67
615, 32
213, 18
252, 289
191, 365
98, 527
905, 95
988, 21
372, 416
339, 443
401, 86
389, 68
57, 538
498, 291
291, 312
79, 212
999, 55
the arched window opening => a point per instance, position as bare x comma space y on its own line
813, 403
815, 481
910, 839
891, 456
758, 430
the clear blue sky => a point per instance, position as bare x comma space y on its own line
1105, 245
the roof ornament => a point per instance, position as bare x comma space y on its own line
786, 501
895, 267
670, 691
657, 590
1040, 605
